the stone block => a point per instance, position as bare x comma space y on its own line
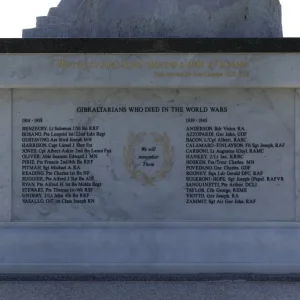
51, 21
169, 18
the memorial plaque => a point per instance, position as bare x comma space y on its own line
150, 163
153, 155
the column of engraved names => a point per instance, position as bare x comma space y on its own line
218, 166
53, 162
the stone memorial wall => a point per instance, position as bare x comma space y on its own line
149, 163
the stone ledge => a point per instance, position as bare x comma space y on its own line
152, 251
47, 32
51, 21
200, 277
151, 272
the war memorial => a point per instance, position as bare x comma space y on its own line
147, 163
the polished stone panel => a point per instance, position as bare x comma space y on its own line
130, 169
154, 155
150, 70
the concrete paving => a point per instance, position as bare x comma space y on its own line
148, 290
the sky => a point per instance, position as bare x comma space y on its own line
16, 15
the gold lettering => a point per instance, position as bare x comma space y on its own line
233, 64
169, 68
196, 64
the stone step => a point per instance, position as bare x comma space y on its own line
53, 12
51, 21
57, 12
48, 32
69, 4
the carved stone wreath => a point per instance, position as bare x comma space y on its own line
168, 157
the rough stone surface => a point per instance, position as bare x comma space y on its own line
223, 290
162, 18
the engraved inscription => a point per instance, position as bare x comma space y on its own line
148, 159
185, 160
167, 68
52, 160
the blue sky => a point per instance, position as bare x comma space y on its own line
16, 15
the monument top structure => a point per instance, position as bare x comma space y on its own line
159, 19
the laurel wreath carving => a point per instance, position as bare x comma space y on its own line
168, 157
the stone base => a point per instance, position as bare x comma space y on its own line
150, 249
220, 290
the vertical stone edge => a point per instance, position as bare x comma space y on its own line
5, 154
297, 154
